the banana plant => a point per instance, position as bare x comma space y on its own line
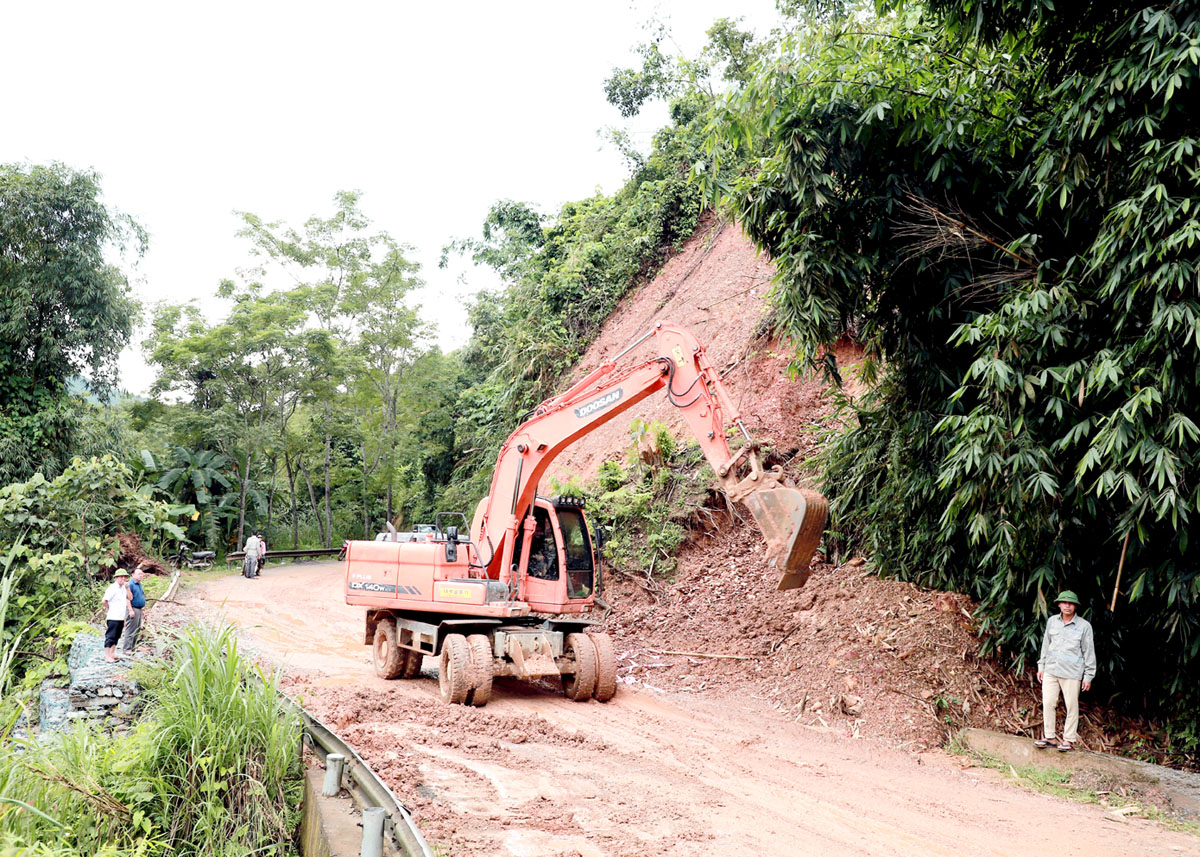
197, 478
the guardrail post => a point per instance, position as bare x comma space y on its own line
372, 824
333, 774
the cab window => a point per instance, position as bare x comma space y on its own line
578, 549
543, 549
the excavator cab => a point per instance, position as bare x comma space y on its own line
560, 574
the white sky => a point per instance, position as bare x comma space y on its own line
433, 111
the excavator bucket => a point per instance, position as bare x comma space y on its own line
792, 521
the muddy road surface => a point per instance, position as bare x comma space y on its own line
650, 773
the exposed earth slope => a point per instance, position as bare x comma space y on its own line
792, 723
716, 286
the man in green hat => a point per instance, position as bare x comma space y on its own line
1067, 665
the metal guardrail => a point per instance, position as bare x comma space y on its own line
287, 554
401, 838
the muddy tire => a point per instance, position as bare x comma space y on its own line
389, 660
606, 667
481, 669
411, 668
580, 684
455, 672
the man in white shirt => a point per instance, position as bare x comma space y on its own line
253, 549
116, 610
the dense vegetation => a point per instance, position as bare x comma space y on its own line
63, 310
999, 199
61, 546
212, 768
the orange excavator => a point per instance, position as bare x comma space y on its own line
508, 598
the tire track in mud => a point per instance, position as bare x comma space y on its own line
673, 774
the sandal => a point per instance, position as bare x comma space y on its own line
1043, 743
1066, 747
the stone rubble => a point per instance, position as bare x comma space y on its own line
95, 691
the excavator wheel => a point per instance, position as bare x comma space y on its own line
455, 672
580, 684
481, 669
388, 658
412, 663
606, 667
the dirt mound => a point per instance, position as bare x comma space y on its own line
716, 286
133, 554
849, 652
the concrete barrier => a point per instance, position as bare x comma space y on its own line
1180, 788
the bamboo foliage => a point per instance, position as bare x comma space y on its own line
1000, 200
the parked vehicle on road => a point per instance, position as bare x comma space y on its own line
184, 558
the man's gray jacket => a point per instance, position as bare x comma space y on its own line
1068, 650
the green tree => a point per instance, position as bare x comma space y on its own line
999, 199
306, 381
386, 341
325, 258
197, 478
64, 310
236, 371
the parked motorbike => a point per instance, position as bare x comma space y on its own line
185, 558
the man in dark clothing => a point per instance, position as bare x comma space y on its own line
543, 553
137, 601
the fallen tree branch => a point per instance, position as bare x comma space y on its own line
783, 639
702, 655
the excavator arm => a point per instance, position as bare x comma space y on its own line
791, 519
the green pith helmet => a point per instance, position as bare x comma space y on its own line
1068, 596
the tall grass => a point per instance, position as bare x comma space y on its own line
212, 769
8, 653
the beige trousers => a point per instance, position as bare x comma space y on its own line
1051, 684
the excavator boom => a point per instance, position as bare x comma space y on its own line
495, 605
790, 518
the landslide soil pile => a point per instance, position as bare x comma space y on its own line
716, 286
850, 651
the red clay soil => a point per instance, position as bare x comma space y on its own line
748, 720
866, 657
697, 756
716, 286
133, 555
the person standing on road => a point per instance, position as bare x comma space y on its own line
250, 562
137, 601
116, 610
1067, 665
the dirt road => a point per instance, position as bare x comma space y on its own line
649, 773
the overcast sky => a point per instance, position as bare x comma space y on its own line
434, 111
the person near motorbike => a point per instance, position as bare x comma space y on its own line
253, 549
